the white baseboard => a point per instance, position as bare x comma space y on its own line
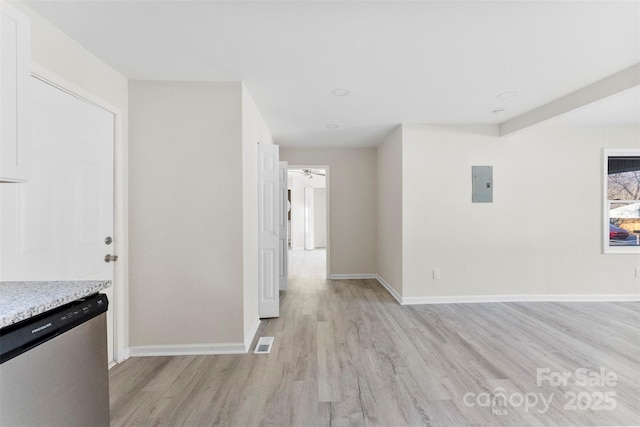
389, 288
352, 276
197, 349
187, 349
516, 298
377, 277
123, 355
252, 333
467, 299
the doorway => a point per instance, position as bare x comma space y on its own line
309, 237
56, 226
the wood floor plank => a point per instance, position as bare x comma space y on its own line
346, 354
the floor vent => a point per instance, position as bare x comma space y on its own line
264, 345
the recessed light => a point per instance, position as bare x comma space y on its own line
340, 92
499, 111
333, 126
507, 95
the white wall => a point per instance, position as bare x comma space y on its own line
542, 234
352, 204
186, 213
390, 211
320, 217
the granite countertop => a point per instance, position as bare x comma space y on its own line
22, 300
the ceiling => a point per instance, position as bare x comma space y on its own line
401, 61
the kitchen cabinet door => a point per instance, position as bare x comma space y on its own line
15, 73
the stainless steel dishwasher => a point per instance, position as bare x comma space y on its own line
53, 367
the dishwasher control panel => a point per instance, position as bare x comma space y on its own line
27, 334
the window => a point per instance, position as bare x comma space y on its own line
622, 201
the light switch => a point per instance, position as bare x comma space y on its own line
482, 184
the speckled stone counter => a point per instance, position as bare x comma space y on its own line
22, 300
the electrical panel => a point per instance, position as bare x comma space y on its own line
482, 184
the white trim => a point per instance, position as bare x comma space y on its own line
468, 299
517, 298
121, 213
196, 349
187, 350
389, 288
252, 333
352, 276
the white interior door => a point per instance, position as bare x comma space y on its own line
309, 214
283, 222
54, 227
268, 230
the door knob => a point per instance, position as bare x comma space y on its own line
109, 258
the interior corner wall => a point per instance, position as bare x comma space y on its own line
186, 213
254, 131
390, 210
542, 235
352, 204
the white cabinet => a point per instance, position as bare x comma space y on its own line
15, 80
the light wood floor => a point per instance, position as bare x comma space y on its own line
346, 354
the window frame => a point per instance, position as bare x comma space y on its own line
606, 248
